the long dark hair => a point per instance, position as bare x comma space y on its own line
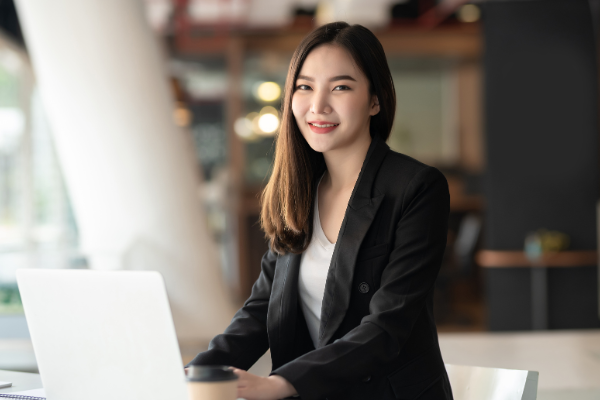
287, 201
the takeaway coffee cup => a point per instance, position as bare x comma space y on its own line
211, 382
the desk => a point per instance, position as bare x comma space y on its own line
20, 381
27, 381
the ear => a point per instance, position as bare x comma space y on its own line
375, 108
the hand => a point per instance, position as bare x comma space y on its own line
252, 387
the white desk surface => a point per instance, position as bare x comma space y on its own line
20, 381
568, 361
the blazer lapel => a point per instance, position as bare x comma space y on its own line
283, 306
362, 207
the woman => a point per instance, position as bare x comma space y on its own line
356, 233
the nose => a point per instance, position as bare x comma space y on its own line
320, 103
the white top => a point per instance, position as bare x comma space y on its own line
314, 266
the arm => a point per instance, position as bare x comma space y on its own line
245, 339
407, 279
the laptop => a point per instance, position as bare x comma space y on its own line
100, 335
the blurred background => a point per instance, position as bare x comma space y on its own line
139, 135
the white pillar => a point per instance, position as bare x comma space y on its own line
132, 180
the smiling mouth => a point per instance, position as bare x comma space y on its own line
323, 126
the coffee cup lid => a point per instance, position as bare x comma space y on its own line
210, 373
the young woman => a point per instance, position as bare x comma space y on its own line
356, 233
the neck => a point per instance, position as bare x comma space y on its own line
343, 165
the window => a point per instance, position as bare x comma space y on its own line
37, 228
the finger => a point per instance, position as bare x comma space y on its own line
242, 380
243, 394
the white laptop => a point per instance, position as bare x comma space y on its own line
102, 335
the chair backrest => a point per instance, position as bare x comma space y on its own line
479, 383
466, 241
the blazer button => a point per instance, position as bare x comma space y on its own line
367, 379
363, 287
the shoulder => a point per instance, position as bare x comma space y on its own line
399, 172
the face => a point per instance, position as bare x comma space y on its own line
331, 102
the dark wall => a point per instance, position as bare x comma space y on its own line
541, 94
572, 300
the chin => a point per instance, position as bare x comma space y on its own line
322, 145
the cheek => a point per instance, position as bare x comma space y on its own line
353, 108
298, 106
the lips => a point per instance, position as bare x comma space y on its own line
322, 126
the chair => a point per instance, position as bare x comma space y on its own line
457, 265
479, 383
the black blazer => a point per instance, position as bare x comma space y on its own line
377, 338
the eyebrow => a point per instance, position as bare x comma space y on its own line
335, 78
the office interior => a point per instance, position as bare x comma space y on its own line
139, 135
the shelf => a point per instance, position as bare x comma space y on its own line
511, 259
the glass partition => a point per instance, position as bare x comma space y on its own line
37, 227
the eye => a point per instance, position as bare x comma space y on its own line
341, 87
303, 87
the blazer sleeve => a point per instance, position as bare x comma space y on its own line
408, 278
245, 340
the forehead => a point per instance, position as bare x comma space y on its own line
327, 60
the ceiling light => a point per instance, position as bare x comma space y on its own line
243, 127
268, 123
468, 13
268, 91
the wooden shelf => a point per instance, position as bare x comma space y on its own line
511, 259
408, 41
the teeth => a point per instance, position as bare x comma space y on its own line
324, 126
